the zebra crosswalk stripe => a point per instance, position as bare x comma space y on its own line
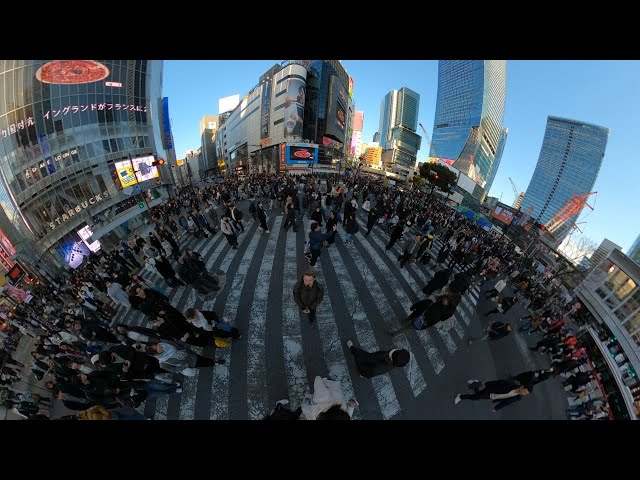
256, 361
220, 383
295, 368
424, 335
332, 347
383, 387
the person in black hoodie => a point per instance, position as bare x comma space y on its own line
331, 222
396, 233
427, 313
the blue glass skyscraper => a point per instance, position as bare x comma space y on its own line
468, 121
569, 162
498, 159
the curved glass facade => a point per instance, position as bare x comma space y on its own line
569, 162
469, 113
63, 124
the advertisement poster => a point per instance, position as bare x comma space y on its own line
302, 154
124, 169
336, 116
265, 109
503, 215
144, 168
294, 107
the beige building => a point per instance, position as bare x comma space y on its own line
373, 156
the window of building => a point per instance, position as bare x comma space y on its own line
633, 324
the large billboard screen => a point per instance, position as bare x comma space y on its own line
265, 109
294, 107
358, 120
144, 168
336, 116
302, 154
503, 214
124, 169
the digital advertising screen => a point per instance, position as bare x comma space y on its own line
301, 154
124, 169
502, 214
144, 168
85, 234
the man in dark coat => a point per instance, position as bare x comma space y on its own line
371, 365
500, 392
372, 219
439, 280
308, 294
495, 331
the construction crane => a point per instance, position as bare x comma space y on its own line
426, 136
574, 206
519, 195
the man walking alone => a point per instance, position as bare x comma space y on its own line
308, 294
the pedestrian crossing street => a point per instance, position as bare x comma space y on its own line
366, 295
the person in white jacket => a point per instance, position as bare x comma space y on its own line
117, 294
327, 401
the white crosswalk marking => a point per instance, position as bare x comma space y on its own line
382, 384
334, 353
432, 351
220, 384
296, 371
449, 342
256, 357
417, 381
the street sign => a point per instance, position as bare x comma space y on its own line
138, 188
140, 204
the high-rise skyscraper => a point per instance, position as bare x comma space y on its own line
634, 251
569, 162
468, 123
398, 124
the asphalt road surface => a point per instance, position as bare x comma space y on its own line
366, 294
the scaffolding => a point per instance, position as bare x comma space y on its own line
573, 207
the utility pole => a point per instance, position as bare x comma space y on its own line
137, 183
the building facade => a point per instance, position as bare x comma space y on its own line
611, 294
468, 120
72, 135
498, 158
373, 156
208, 162
298, 113
602, 252
398, 124
570, 159
634, 251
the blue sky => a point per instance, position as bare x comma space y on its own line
605, 93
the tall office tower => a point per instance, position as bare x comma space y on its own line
468, 121
398, 124
569, 162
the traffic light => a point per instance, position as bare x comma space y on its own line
158, 162
542, 227
436, 176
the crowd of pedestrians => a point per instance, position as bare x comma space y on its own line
103, 370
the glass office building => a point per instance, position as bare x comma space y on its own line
569, 162
67, 132
497, 160
468, 120
398, 124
